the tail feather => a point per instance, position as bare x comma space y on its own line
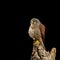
41, 42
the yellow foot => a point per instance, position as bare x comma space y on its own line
36, 42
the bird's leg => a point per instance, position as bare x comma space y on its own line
36, 43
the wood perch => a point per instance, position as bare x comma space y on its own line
40, 53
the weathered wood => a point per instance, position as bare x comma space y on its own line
40, 53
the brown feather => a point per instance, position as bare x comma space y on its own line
42, 29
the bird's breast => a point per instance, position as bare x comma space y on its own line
34, 33
31, 31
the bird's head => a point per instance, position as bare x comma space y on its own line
35, 21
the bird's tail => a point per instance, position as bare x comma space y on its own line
41, 42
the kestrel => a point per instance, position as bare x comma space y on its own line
36, 29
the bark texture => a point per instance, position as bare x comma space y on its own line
39, 52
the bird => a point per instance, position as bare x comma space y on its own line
36, 29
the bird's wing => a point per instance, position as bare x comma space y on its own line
42, 29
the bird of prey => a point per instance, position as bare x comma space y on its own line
36, 30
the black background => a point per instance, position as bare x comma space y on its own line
23, 43
16, 43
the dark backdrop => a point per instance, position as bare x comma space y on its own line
23, 43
